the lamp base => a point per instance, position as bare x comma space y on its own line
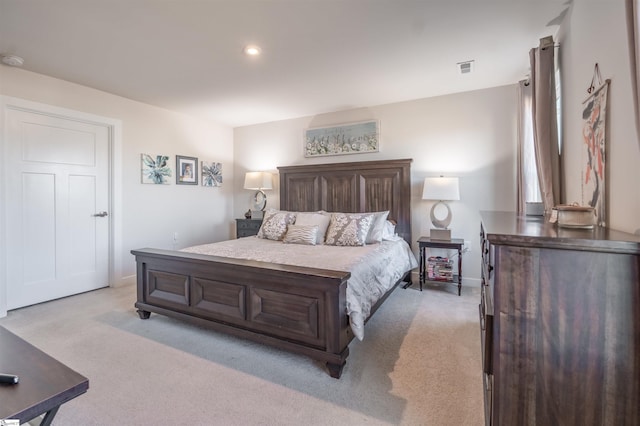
257, 214
440, 234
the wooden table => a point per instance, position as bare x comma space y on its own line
45, 383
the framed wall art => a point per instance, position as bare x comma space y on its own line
350, 138
155, 169
594, 152
211, 174
186, 170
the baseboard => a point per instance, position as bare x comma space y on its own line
471, 282
466, 282
124, 281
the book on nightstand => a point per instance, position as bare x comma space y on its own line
439, 268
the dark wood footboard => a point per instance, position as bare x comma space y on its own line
302, 310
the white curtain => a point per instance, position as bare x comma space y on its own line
633, 29
545, 122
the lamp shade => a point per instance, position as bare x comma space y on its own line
258, 180
441, 189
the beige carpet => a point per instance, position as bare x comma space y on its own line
419, 364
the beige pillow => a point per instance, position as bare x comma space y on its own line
348, 229
301, 234
317, 219
274, 225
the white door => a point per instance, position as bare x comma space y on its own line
57, 211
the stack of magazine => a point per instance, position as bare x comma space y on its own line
439, 268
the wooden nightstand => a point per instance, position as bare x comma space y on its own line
455, 244
247, 227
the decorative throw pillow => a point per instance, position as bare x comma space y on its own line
274, 225
301, 234
318, 219
377, 227
348, 229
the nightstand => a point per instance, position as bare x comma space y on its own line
453, 244
247, 227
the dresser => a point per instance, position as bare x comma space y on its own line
247, 227
560, 323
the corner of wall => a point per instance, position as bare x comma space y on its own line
3, 268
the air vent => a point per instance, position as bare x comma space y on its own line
465, 67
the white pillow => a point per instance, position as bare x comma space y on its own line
317, 219
301, 234
274, 225
348, 229
389, 230
377, 227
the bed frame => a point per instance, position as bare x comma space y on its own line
302, 310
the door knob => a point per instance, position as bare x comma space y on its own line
101, 214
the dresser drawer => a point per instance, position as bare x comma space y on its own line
486, 330
487, 381
247, 227
487, 260
487, 256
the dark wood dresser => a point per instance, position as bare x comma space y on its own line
247, 227
560, 323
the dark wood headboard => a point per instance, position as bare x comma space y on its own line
358, 187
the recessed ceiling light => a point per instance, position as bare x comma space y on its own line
252, 50
12, 60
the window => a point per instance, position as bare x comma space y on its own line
531, 185
530, 189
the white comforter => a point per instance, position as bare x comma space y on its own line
374, 268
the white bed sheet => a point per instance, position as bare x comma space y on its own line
374, 268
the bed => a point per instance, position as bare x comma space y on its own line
297, 308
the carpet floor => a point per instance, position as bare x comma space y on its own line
419, 364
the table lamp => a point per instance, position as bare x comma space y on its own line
258, 181
441, 189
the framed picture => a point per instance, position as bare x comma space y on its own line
211, 174
155, 169
594, 152
186, 170
350, 138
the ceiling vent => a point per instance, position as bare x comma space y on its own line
465, 67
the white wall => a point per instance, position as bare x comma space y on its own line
471, 135
151, 214
595, 32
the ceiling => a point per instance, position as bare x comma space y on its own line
317, 56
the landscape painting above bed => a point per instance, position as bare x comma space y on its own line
351, 138
300, 308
